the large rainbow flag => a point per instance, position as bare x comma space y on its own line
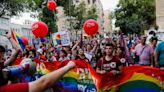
132, 79
83, 78
17, 38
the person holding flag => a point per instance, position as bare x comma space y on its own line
109, 63
39, 85
9, 61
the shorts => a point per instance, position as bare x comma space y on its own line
19, 87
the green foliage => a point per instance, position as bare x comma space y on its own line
50, 18
135, 16
11, 7
45, 15
91, 13
79, 14
68, 7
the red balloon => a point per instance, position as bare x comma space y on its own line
39, 29
51, 5
91, 27
25, 40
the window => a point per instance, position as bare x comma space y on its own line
4, 21
3, 32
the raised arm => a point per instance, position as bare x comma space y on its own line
15, 54
94, 48
74, 47
95, 43
47, 81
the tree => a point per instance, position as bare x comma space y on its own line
80, 14
45, 15
11, 7
15, 7
135, 16
50, 18
91, 13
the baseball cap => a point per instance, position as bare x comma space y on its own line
40, 51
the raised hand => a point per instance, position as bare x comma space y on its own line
71, 64
7, 35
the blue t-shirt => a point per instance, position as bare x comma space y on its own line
160, 49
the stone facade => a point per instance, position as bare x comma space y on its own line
160, 13
21, 30
107, 21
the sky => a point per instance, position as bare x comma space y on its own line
109, 4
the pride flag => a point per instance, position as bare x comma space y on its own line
58, 39
132, 79
17, 38
83, 78
77, 80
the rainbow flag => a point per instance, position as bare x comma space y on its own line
132, 79
17, 38
58, 39
84, 78
76, 80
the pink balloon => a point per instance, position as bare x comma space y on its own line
91, 27
39, 29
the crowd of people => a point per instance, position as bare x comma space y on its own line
102, 54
